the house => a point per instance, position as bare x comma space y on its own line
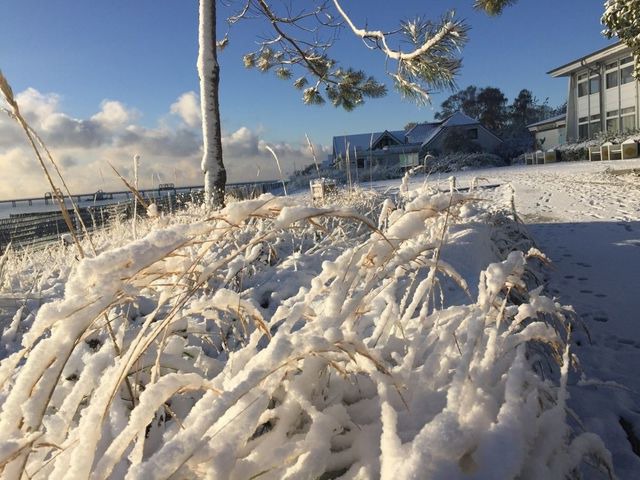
551, 132
603, 95
407, 148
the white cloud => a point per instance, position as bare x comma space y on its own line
84, 148
187, 107
114, 115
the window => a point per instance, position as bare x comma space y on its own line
613, 122
595, 126
583, 89
612, 125
472, 133
594, 85
612, 79
626, 60
628, 118
626, 75
583, 131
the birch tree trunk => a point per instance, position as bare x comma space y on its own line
215, 175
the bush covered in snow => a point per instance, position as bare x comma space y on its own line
278, 340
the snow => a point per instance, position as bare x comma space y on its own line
418, 333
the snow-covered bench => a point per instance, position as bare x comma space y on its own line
529, 158
595, 153
551, 156
611, 151
320, 187
629, 149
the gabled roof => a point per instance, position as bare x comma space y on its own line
420, 134
420, 131
598, 55
397, 136
458, 119
362, 141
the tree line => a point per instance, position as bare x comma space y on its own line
491, 107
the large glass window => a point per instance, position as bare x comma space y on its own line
613, 122
583, 89
595, 126
626, 75
628, 118
612, 79
583, 131
594, 85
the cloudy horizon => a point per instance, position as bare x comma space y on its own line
170, 152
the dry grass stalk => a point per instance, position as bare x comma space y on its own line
7, 92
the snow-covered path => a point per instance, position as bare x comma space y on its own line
587, 220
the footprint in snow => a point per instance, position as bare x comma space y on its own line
601, 295
582, 264
601, 318
626, 226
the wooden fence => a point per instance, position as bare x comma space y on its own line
39, 228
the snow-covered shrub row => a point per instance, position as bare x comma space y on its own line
279, 340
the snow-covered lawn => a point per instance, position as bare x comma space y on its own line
587, 221
398, 335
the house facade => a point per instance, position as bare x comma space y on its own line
603, 95
550, 133
407, 148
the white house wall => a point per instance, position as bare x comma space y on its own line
551, 138
603, 103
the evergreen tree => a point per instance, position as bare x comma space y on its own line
465, 101
493, 112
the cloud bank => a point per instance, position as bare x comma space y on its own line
170, 152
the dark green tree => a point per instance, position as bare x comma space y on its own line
465, 101
493, 108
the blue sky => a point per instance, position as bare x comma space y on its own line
142, 54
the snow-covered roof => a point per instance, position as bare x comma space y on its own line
458, 119
419, 132
362, 141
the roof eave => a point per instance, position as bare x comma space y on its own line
601, 54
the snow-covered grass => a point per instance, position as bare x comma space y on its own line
379, 337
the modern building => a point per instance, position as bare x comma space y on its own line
603, 95
407, 148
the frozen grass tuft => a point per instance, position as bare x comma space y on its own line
278, 340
